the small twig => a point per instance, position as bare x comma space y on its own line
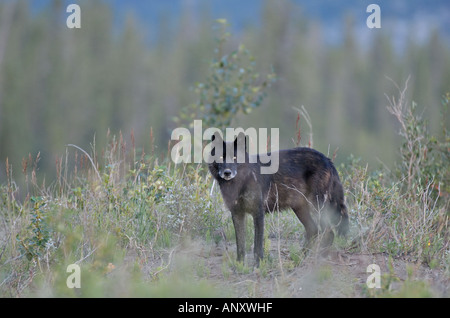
304, 113
245, 281
90, 253
168, 263
335, 263
4, 247
90, 159
212, 187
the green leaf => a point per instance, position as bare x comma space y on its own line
221, 21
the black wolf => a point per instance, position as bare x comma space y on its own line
306, 181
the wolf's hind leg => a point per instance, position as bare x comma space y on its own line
305, 217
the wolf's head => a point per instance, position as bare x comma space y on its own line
227, 156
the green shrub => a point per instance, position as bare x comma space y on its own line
233, 86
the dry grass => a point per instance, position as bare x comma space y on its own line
140, 226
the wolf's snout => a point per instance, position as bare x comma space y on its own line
227, 174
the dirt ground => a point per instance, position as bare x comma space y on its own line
339, 274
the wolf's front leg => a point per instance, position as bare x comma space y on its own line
258, 220
239, 228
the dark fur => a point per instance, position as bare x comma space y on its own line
306, 181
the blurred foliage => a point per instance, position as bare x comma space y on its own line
121, 228
62, 86
233, 86
40, 238
132, 224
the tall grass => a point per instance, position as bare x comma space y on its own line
124, 216
119, 208
405, 212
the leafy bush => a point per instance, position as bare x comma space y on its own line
424, 158
233, 86
404, 212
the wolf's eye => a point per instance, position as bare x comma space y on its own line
234, 158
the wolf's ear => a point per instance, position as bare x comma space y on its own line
241, 140
215, 136
216, 139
